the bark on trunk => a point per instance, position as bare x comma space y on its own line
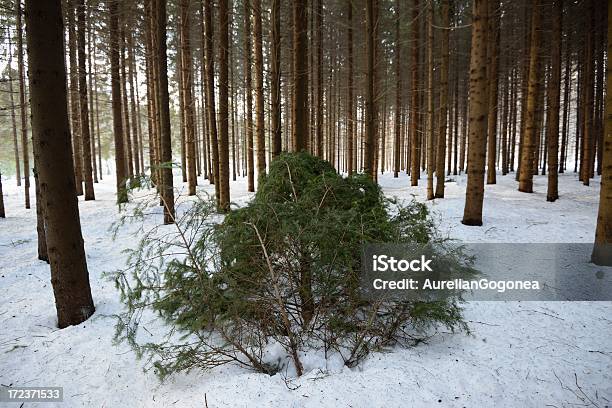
51, 132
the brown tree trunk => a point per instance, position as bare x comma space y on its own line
51, 135
318, 15
493, 63
167, 184
223, 180
249, 97
587, 114
41, 233
472, 213
443, 103
275, 55
554, 92
23, 107
84, 112
124, 99
259, 92
299, 126
602, 250
92, 125
398, 92
415, 144
528, 149
133, 103
12, 102
430, 107
187, 83
350, 125
120, 164
371, 114
77, 143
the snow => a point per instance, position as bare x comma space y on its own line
519, 353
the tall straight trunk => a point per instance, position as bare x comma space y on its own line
414, 104
187, 83
598, 128
528, 149
120, 164
566, 103
223, 180
51, 135
92, 124
205, 150
504, 128
12, 102
97, 110
553, 94
77, 143
443, 103
299, 126
430, 107
398, 92
371, 120
275, 73
167, 187
259, 91
350, 119
462, 148
124, 98
23, 107
456, 122
472, 213
133, 102
493, 52
318, 15
84, 111
210, 94
602, 251
513, 121
587, 110
249, 97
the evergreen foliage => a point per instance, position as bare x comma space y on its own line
282, 270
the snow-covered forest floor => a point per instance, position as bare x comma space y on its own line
521, 354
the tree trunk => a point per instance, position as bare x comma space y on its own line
493, 63
275, 67
398, 92
414, 105
430, 107
12, 102
84, 111
528, 149
223, 180
371, 114
472, 213
249, 97
167, 184
443, 103
602, 251
587, 114
259, 92
350, 125
187, 83
77, 143
51, 132
299, 126
554, 92
121, 172
23, 107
